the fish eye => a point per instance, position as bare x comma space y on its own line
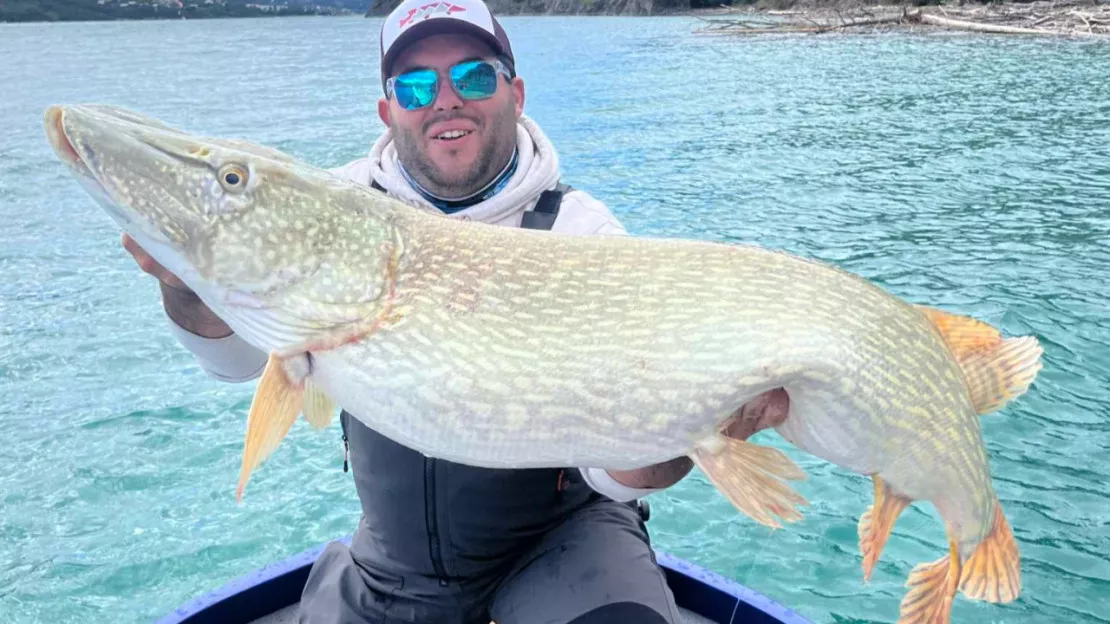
233, 178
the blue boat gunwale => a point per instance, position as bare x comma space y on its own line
277, 585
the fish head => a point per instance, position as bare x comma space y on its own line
224, 211
243, 225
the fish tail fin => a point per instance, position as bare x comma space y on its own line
993, 572
752, 478
997, 370
276, 403
932, 589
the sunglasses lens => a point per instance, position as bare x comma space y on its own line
415, 89
474, 80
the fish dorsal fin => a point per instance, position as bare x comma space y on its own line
962, 334
996, 369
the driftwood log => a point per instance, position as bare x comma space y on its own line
936, 20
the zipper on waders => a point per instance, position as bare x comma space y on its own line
346, 447
434, 547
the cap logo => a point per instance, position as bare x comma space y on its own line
434, 9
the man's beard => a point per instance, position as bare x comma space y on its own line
469, 180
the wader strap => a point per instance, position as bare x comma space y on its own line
543, 216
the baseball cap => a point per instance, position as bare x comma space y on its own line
414, 19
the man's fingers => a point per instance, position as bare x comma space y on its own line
145, 261
767, 410
132, 246
773, 409
771, 405
754, 408
149, 265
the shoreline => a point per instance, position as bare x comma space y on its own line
1067, 18
48, 11
1056, 18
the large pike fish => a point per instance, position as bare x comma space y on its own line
504, 347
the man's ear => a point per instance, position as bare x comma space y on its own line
518, 94
383, 111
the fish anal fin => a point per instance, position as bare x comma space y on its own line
877, 522
752, 478
993, 571
997, 370
277, 402
318, 407
932, 588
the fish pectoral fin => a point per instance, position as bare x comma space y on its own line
993, 571
932, 589
997, 370
876, 523
276, 404
752, 478
318, 407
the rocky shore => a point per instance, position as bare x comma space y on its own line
1069, 18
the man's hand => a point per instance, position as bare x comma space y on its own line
766, 410
182, 305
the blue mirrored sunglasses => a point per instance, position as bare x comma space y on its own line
472, 80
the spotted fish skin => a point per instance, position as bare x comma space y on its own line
510, 348
530, 349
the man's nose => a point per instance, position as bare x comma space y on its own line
446, 98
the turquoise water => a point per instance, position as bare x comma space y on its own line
971, 173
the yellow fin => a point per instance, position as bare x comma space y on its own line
962, 334
876, 523
997, 370
275, 406
932, 590
997, 376
318, 406
993, 572
751, 478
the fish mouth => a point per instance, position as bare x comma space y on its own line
81, 165
80, 157
54, 120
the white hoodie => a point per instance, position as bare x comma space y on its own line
232, 359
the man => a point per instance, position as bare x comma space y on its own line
438, 542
